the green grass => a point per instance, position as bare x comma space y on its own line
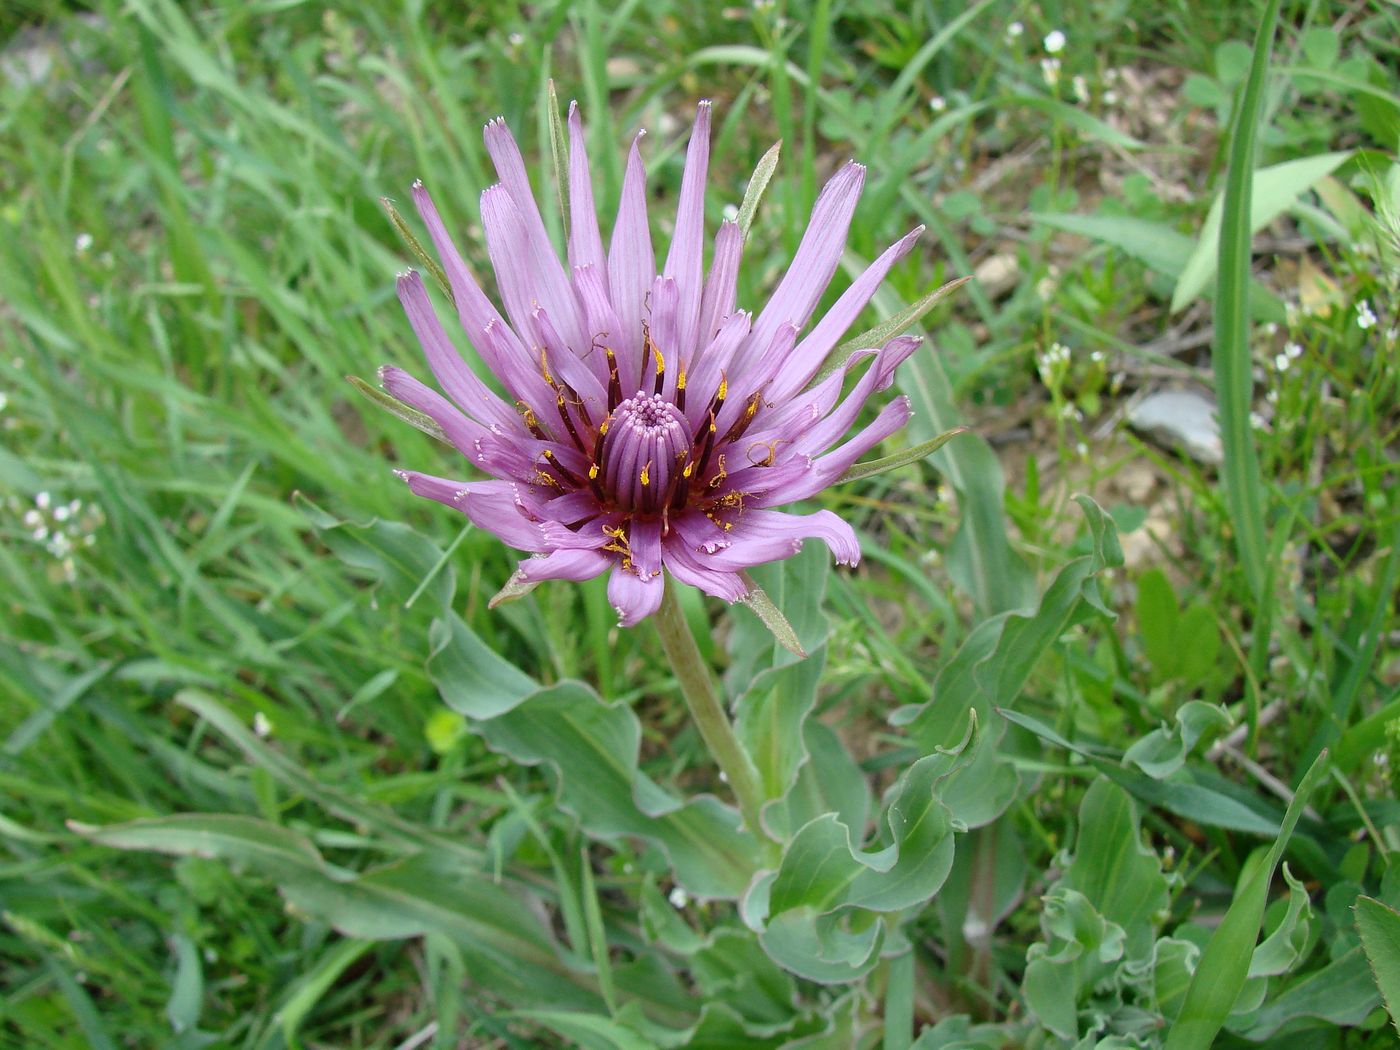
195, 258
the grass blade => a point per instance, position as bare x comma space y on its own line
1244, 488
1224, 964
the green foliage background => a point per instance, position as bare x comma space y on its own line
239, 804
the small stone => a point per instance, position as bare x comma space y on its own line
1184, 419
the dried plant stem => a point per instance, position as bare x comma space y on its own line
707, 710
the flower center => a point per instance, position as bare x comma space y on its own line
645, 449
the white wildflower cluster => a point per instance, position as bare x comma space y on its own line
1050, 70
1053, 365
1290, 353
1365, 316
1054, 42
61, 528
1014, 31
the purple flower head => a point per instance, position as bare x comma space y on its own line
651, 425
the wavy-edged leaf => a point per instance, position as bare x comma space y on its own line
815, 913
1163, 751
991, 666
397, 558
1185, 798
591, 750
1379, 926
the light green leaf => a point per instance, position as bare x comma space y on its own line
1275, 189
1379, 926
758, 183
1161, 247
773, 689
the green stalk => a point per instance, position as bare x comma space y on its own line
707, 710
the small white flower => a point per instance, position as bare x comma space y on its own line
1014, 31
60, 514
60, 546
678, 897
1110, 97
1054, 42
261, 725
1365, 318
1082, 449
1257, 421
516, 39
937, 104
730, 212
42, 501
82, 243
1050, 70
1271, 396
40, 534
1281, 362
1293, 350
33, 519
1096, 356
1080, 87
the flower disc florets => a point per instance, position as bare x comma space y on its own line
678, 476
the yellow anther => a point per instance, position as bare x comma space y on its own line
646, 473
593, 472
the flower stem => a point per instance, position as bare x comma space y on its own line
707, 710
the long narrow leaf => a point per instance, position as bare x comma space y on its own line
1224, 965
1233, 375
